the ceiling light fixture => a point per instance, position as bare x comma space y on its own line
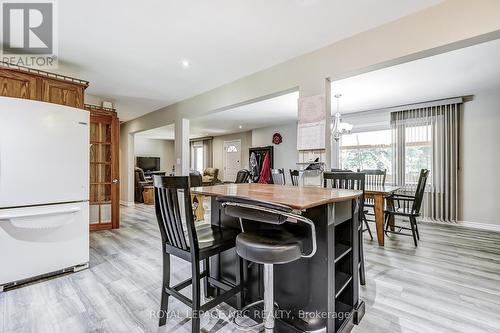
185, 63
240, 126
338, 127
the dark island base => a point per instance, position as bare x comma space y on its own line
294, 325
312, 293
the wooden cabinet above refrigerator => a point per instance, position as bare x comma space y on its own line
21, 82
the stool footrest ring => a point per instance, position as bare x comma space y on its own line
242, 311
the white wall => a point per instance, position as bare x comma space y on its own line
164, 149
285, 154
427, 32
479, 185
480, 159
218, 149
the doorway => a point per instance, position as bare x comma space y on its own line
231, 159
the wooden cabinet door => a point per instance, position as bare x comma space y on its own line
19, 85
59, 92
104, 172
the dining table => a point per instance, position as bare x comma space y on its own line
379, 194
318, 293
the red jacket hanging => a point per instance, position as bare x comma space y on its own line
265, 170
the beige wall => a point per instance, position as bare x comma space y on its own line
479, 183
449, 25
218, 149
164, 149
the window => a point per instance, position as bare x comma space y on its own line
367, 150
232, 149
418, 152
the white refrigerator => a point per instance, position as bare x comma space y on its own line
44, 189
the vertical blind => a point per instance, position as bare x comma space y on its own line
427, 137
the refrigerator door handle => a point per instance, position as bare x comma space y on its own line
49, 212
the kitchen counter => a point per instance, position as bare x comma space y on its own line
317, 293
293, 196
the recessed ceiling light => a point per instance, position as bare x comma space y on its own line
240, 127
185, 63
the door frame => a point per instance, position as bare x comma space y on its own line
224, 157
102, 115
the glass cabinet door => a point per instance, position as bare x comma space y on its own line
101, 177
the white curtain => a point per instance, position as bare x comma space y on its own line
428, 137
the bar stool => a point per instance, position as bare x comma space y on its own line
199, 243
278, 176
269, 247
294, 176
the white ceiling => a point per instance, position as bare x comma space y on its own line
273, 111
131, 51
461, 72
458, 73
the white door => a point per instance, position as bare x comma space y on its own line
44, 153
231, 159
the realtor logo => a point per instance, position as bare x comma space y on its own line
28, 33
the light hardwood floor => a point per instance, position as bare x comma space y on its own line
450, 283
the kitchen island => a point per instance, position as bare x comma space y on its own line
320, 293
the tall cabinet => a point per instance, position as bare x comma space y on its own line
22, 82
104, 169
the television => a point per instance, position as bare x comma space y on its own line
148, 163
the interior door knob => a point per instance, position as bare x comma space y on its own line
115, 181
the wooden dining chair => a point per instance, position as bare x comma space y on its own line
294, 176
278, 176
242, 176
351, 181
407, 206
202, 241
374, 178
365, 211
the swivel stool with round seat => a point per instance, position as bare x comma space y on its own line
269, 247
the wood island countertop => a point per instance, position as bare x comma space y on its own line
292, 196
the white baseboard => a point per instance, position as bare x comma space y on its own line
480, 226
468, 224
127, 203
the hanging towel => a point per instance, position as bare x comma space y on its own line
265, 171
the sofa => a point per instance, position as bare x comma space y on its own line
210, 176
195, 178
140, 181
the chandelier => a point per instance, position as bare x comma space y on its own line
338, 127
